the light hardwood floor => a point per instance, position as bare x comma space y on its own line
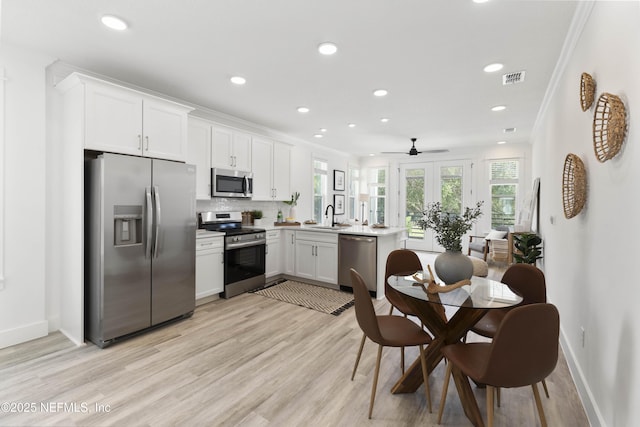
249, 361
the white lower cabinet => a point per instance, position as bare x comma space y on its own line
273, 254
289, 252
209, 265
317, 256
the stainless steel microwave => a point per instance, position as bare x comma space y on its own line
231, 183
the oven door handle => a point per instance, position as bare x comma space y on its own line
246, 244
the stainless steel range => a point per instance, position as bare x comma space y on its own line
244, 251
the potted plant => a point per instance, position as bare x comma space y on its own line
528, 248
257, 217
292, 203
449, 227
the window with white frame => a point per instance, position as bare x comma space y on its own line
504, 178
354, 191
377, 195
320, 168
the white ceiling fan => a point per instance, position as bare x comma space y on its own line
414, 151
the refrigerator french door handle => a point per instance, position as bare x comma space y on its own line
156, 200
149, 222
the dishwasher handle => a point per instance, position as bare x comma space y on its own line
358, 238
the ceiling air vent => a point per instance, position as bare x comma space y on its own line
509, 130
511, 78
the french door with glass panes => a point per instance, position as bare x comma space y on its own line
422, 183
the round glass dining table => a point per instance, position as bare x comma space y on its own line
472, 302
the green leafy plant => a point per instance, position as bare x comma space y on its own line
528, 248
256, 214
294, 199
449, 227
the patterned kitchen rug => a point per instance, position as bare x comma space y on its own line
317, 298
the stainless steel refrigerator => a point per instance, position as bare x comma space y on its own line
140, 226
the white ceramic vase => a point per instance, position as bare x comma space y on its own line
453, 266
257, 222
292, 212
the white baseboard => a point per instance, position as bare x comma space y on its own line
584, 391
25, 333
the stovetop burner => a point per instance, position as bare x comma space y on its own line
229, 223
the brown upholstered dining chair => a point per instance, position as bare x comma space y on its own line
386, 331
523, 352
402, 261
527, 281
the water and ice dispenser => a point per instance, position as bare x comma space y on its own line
127, 227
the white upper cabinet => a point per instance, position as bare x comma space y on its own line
230, 149
121, 120
271, 169
199, 154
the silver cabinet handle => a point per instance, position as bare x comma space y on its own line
266, 249
222, 258
292, 239
146, 138
231, 161
139, 142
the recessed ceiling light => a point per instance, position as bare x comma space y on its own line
480, 1
327, 48
371, 154
502, 142
237, 80
380, 92
499, 108
114, 22
318, 135
323, 130
491, 68
384, 120
352, 125
303, 109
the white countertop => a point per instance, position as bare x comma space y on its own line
362, 230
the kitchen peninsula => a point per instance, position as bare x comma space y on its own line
310, 252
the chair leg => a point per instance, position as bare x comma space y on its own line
490, 391
391, 310
402, 359
425, 376
536, 394
498, 395
355, 367
546, 391
375, 381
445, 387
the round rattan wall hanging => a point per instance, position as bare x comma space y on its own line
587, 91
574, 186
609, 126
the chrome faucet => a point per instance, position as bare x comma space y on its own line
333, 211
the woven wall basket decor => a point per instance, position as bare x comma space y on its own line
609, 126
587, 91
574, 186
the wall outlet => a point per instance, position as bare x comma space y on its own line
582, 336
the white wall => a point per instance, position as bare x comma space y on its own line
590, 259
22, 301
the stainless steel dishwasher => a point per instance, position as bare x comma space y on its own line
361, 254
